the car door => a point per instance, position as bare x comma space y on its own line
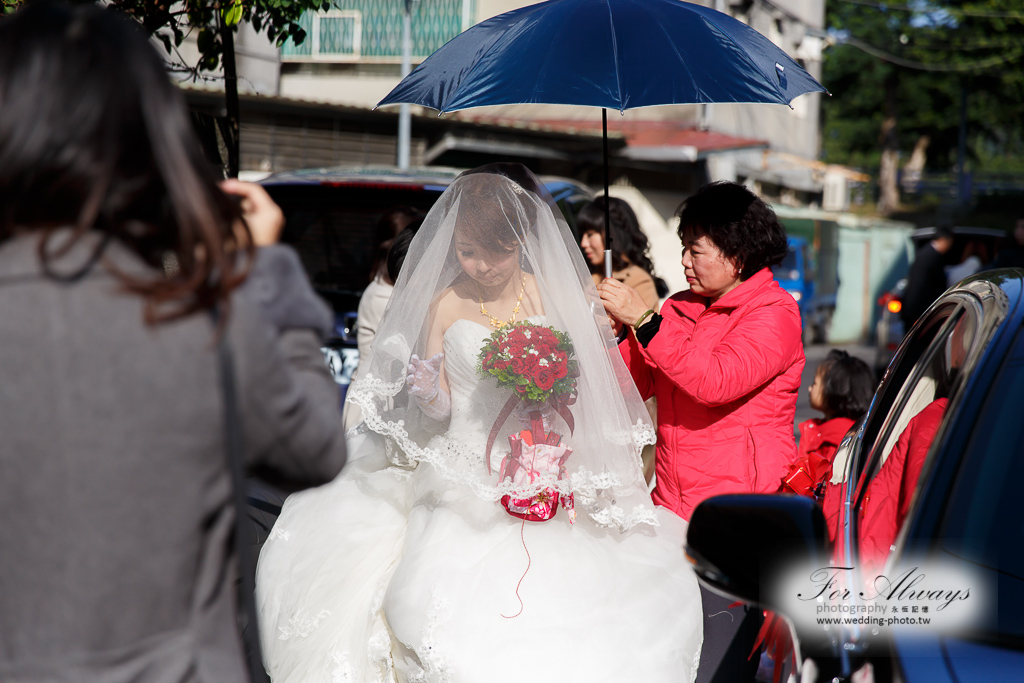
918, 400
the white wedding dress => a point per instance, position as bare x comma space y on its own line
392, 574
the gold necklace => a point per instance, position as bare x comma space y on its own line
498, 324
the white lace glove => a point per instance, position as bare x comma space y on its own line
424, 382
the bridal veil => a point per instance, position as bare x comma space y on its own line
611, 424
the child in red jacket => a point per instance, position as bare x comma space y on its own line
842, 390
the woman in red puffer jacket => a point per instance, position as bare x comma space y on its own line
724, 360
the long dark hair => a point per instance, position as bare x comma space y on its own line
629, 243
94, 137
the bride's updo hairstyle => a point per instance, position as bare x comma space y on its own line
94, 138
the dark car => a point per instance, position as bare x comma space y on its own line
963, 361
889, 328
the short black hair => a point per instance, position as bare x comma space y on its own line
849, 384
738, 222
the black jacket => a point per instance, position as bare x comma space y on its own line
925, 284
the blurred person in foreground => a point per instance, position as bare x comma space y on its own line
117, 558
724, 360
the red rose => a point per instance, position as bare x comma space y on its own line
518, 365
559, 370
545, 379
522, 388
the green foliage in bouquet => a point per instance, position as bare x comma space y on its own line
535, 361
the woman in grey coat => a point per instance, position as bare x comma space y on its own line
116, 553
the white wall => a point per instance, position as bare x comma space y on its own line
257, 60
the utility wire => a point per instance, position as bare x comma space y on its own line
948, 10
923, 66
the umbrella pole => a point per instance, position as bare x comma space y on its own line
607, 209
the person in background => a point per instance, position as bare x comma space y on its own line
630, 263
972, 260
927, 279
724, 360
117, 247
842, 390
390, 224
374, 298
371, 308
1012, 256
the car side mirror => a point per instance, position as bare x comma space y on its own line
737, 542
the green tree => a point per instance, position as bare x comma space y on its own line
898, 74
214, 23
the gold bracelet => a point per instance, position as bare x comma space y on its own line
642, 318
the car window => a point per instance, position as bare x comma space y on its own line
982, 524
899, 454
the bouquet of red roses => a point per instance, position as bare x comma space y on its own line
537, 363
533, 360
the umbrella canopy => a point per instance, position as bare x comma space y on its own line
615, 54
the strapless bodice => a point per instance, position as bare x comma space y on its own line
476, 400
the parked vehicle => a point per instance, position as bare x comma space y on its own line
815, 297
889, 329
964, 508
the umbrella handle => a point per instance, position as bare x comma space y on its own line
607, 263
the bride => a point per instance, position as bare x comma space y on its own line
478, 536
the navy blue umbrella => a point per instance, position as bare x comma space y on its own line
613, 54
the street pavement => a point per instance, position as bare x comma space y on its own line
815, 354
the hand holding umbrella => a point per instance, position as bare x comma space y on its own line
622, 302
